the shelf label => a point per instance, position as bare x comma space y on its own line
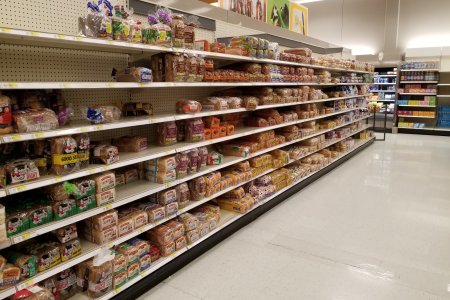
25, 236
110, 84
108, 206
39, 134
29, 282
6, 30
60, 36
66, 85
152, 120
12, 84
34, 33
99, 127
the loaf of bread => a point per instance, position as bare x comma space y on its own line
167, 133
171, 208
125, 225
155, 212
105, 197
143, 247
70, 249
131, 143
177, 228
99, 279
64, 155
21, 170
130, 252
66, 233
162, 235
161, 164
106, 154
104, 181
31, 120
83, 143
120, 279
103, 114
103, 220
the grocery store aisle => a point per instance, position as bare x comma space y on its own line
385, 236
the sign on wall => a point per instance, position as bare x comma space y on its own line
255, 9
298, 18
282, 13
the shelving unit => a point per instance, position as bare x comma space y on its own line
417, 92
384, 97
78, 69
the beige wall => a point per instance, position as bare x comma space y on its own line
353, 23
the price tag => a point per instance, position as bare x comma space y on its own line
21, 188
110, 245
111, 42
168, 185
16, 137
110, 84
6, 30
58, 178
29, 282
117, 290
99, 127
141, 229
60, 36
78, 38
34, 33
39, 134
25, 236
106, 168
108, 206
66, 85
152, 120
84, 129
142, 84
12, 84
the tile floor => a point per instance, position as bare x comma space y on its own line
377, 227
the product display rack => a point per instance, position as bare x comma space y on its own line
384, 97
41, 42
417, 101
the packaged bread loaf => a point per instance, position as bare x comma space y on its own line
86, 203
186, 106
161, 177
155, 212
105, 197
125, 225
31, 120
214, 103
161, 164
175, 67
161, 235
27, 263
131, 143
197, 187
66, 233
106, 154
142, 246
120, 279
119, 262
134, 74
5, 115
130, 252
99, 274
192, 236
47, 255
64, 155
102, 236
167, 133
104, 181
103, 220
64, 209
171, 208
177, 228
66, 284
194, 130
103, 114
70, 249
83, 143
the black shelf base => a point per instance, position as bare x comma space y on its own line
424, 132
175, 265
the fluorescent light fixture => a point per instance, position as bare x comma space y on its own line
361, 50
429, 41
305, 1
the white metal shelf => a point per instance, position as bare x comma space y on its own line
382, 91
419, 117
226, 219
383, 100
85, 127
416, 105
419, 70
443, 96
419, 94
89, 250
136, 85
418, 81
34, 38
443, 84
385, 75
140, 189
384, 83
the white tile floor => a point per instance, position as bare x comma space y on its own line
377, 227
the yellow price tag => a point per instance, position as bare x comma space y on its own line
12, 84
110, 84
99, 127
152, 120
141, 229
60, 36
106, 168
21, 188
118, 290
6, 30
34, 33
84, 129
168, 185
142, 84
108, 206
79, 38
110, 245
16, 137
39, 134
25, 236
29, 282
66, 85
58, 178
111, 42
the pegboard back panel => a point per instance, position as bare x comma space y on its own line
27, 63
43, 15
224, 29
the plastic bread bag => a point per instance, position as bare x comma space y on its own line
201, 69
131, 143
31, 120
167, 133
203, 157
193, 161
191, 23
182, 165
191, 68
103, 114
234, 150
99, 274
195, 131
5, 114
21, 170
185, 106
197, 188
214, 103
133, 74
106, 154
183, 193
64, 155
175, 67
